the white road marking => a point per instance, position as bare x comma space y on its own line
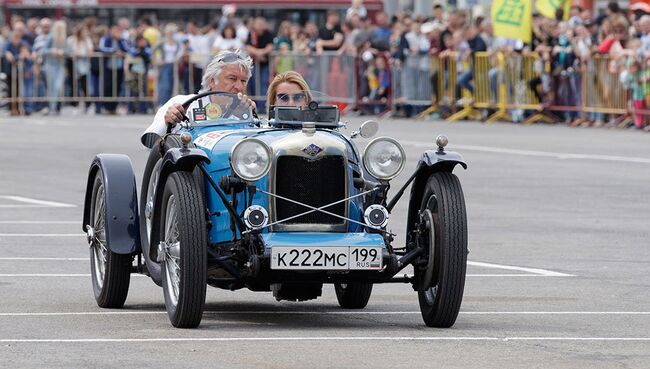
322, 338
239, 339
473, 275
534, 272
548, 154
40, 222
44, 259
35, 202
43, 275
21, 206
52, 275
508, 275
543, 272
317, 312
42, 235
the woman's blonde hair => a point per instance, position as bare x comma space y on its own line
59, 33
286, 77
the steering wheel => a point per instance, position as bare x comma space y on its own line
235, 102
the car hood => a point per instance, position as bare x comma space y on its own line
218, 143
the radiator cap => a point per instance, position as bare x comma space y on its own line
309, 128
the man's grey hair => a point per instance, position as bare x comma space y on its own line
217, 63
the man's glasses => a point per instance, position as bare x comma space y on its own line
285, 98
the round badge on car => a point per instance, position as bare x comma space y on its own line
256, 217
376, 216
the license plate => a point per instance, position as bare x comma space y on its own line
326, 258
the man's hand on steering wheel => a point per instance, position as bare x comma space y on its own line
247, 100
175, 114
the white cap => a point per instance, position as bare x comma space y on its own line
228, 9
430, 27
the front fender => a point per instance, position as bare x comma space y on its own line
175, 159
120, 199
442, 161
430, 162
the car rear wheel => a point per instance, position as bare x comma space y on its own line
110, 272
353, 295
183, 249
443, 233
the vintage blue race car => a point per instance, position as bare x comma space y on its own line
285, 206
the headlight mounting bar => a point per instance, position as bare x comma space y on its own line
319, 209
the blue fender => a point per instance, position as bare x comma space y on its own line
439, 160
175, 159
430, 162
185, 159
121, 202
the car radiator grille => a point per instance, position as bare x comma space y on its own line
313, 182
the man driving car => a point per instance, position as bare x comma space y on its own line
229, 71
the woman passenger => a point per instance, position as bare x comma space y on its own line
288, 89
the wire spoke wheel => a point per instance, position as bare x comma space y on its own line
183, 249
110, 272
98, 241
150, 237
442, 232
171, 246
150, 197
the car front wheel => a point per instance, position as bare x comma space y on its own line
443, 234
183, 249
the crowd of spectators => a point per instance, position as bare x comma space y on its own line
383, 46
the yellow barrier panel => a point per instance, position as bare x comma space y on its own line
468, 105
482, 95
603, 91
502, 112
503, 82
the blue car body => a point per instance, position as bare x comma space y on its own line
219, 166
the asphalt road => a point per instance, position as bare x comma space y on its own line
559, 249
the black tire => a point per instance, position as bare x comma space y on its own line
442, 211
110, 272
153, 164
353, 295
184, 269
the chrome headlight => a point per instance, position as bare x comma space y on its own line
250, 159
384, 158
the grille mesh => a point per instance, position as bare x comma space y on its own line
314, 182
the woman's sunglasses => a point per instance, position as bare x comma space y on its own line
299, 97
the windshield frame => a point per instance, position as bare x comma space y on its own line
219, 121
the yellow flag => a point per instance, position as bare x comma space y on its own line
567, 9
512, 19
547, 8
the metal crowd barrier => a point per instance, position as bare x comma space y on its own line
412, 78
52, 80
602, 90
501, 83
502, 86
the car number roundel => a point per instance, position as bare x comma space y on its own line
208, 140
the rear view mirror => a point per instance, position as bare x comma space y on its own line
368, 129
149, 139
